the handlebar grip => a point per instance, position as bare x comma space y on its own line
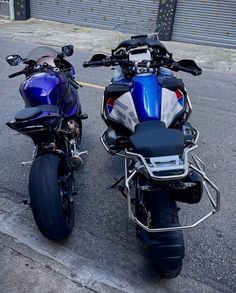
16, 74
86, 64
93, 63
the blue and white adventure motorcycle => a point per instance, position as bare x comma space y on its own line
146, 110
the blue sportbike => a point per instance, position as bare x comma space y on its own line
52, 118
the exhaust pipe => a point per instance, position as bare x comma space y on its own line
76, 162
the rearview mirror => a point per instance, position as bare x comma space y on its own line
14, 60
68, 50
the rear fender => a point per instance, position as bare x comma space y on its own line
41, 122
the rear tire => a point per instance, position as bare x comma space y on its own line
169, 250
166, 248
50, 202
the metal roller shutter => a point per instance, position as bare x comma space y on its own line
4, 8
100, 13
206, 22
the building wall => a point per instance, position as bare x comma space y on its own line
100, 13
206, 22
4, 8
196, 21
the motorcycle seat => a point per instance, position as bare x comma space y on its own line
30, 112
153, 139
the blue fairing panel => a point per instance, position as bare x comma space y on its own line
146, 94
44, 88
51, 88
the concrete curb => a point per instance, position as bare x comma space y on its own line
24, 262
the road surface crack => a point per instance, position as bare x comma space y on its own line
47, 266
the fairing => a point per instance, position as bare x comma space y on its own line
123, 111
147, 100
50, 88
171, 106
43, 88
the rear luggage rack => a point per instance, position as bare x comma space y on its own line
163, 168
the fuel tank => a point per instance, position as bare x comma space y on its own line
147, 94
50, 88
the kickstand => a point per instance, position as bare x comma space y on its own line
118, 181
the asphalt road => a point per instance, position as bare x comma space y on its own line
103, 235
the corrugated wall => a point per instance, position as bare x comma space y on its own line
100, 13
4, 7
206, 21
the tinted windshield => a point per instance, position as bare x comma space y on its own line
125, 30
136, 28
40, 52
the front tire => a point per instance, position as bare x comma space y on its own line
50, 192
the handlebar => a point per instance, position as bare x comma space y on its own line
16, 73
167, 62
95, 63
111, 62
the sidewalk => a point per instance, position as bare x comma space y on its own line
25, 269
98, 40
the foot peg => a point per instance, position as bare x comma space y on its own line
83, 116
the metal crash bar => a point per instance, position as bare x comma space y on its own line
131, 155
206, 181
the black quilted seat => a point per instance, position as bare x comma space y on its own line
30, 112
153, 139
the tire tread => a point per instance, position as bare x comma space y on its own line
45, 198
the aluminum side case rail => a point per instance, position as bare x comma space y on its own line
200, 169
142, 164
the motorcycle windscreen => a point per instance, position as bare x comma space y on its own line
147, 94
